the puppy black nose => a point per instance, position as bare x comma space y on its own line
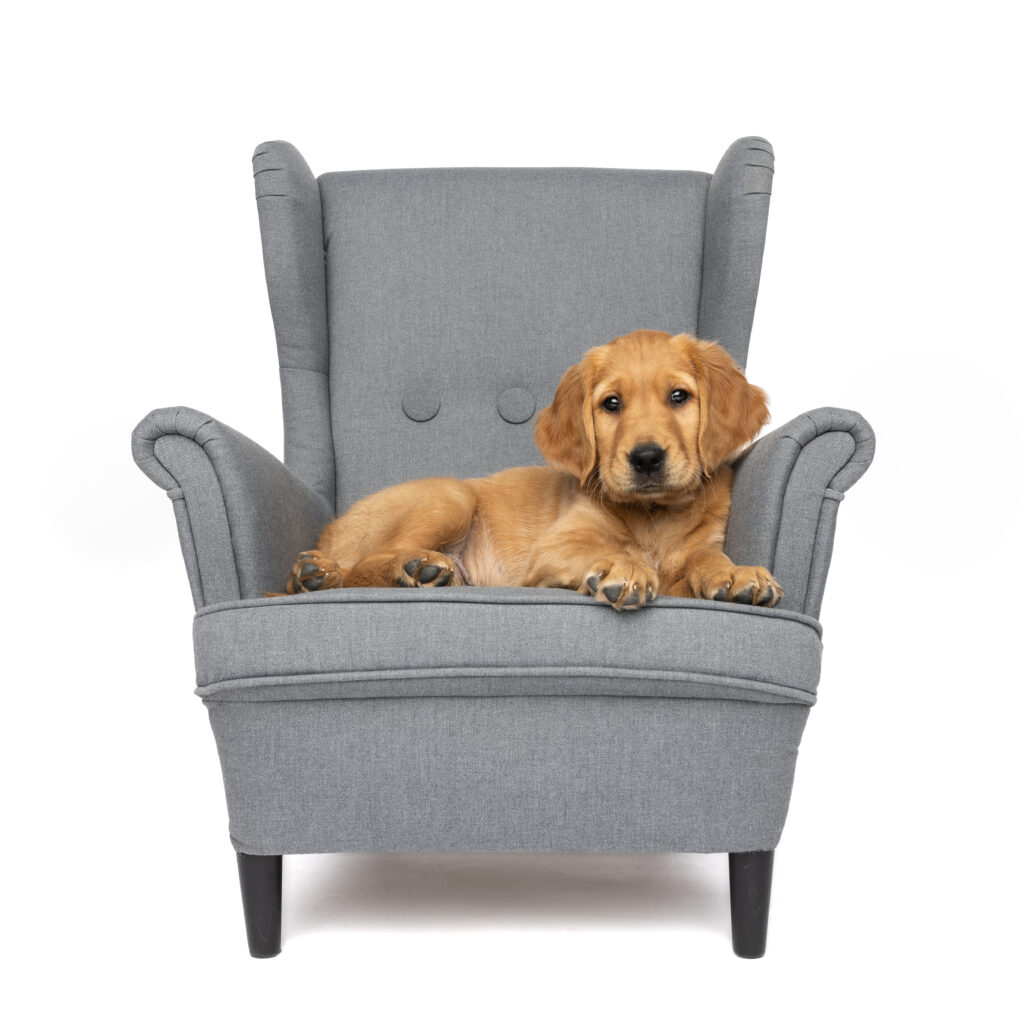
647, 458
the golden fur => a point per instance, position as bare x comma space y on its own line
634, 501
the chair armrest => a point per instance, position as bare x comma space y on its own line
786, 495
242, 515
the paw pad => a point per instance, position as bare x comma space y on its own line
312, 572
309, 576
419, 572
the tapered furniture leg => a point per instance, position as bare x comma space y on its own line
750, 892
261, 902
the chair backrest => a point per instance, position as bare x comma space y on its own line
423, 317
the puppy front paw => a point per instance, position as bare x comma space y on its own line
741, 584
626, 586
313, 571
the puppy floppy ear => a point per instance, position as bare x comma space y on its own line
732, 410
565, 429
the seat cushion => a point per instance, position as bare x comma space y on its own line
482, 641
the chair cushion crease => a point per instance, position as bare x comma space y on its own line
501, 641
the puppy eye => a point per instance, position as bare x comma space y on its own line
612, 403
679, 396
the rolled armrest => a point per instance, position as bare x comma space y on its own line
786, 495
242, 515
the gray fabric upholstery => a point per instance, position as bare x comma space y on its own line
291, 226
476, 641
599, 774
449, 295
422, 319
242, 517
734, 234
448, 289
785, 498
424, 304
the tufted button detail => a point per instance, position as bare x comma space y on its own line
420, 404
516, 405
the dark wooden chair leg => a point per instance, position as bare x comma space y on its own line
750, 892
261, 902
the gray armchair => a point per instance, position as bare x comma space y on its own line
423, 317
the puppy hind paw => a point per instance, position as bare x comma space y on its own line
428, 569
313, 571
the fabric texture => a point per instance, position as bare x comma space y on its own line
448, 288
785, 498
291, 226
242, 516
476, 641
422, 320
734, 234
588, 774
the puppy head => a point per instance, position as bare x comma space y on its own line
651, 415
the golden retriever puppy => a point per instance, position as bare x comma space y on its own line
634, 501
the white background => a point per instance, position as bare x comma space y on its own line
133, 279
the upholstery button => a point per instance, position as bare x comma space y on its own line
516, 405
420, 405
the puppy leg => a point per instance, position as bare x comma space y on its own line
588, 553
420, 567
711, 574
398, 537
